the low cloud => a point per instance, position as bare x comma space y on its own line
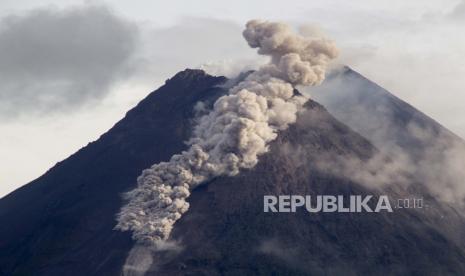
412, 49
412, 148
458, 13
439, 168
59, 59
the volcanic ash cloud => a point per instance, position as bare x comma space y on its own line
234, 133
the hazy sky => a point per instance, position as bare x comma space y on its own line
69, 69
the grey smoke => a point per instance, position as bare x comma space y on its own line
234, 133
440, 168
140, 259
56, 59
408, 145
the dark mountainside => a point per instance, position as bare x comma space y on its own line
61, 223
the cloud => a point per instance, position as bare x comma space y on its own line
413, 148
159, 52
415, 56
458, 13
439, 167
59, 59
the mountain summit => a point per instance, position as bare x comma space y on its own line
63, 222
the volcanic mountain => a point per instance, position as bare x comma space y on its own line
63, 222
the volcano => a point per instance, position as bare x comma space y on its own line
63, 222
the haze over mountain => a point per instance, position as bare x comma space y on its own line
420, 145
63, 222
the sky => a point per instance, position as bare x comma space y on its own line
69, 70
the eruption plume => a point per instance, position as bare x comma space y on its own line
234, 133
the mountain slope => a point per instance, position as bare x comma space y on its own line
419, 144
62, 223
384, 119
226, 231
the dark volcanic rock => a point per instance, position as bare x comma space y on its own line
226, 231
62, 223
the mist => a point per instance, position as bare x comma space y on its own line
412, 147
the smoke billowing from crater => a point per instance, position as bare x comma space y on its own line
234, 133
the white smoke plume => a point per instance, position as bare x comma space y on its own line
234, 133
